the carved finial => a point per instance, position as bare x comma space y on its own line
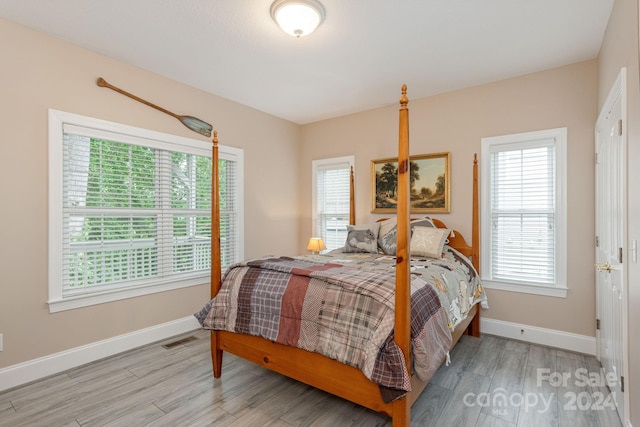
215, 137
475, 158
403, 99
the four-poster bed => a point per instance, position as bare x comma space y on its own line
324, 372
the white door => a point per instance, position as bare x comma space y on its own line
610, 245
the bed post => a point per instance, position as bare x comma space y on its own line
352, 200
216, 267
475, 224
402, 329
474, 326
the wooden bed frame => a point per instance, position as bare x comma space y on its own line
328, 374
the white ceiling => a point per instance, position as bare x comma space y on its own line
356, 60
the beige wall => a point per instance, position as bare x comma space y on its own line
38, 73
456, 122
620, 49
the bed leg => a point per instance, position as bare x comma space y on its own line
401, 412
216, 355
474, 326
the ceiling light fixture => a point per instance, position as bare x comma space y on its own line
297, 17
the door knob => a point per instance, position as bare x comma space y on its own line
604, 267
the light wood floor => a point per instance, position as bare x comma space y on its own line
174, 387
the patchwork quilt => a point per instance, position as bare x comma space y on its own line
342, 306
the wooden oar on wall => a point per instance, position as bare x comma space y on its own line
193, 123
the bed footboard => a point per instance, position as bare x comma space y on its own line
327, 374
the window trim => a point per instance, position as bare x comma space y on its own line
559, 135
58, 119
315, 165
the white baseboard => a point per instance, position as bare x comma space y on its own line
533, 334
42, 367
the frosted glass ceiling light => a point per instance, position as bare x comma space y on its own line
297, 17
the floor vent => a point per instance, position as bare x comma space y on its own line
179, 342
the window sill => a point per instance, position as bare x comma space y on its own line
550, 291
79, 301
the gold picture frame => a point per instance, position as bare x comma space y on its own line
430, 184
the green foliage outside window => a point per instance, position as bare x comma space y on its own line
127, 180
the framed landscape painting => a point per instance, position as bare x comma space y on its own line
429, 184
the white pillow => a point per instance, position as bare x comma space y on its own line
422, 222
428, 242
387, 225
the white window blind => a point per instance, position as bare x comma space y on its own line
331, 200
524, 209
133, 215
134, 211
230, 201
523, 214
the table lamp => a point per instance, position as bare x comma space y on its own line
316, 244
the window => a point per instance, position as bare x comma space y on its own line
331, 182
130, 211
524, 212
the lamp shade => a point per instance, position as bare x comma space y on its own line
297, 17
316, 244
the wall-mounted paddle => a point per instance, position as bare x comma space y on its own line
195, 124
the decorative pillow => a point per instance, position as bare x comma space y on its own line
428, 242
387, 225
388, 242
387, 236
362, 238
422, 222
